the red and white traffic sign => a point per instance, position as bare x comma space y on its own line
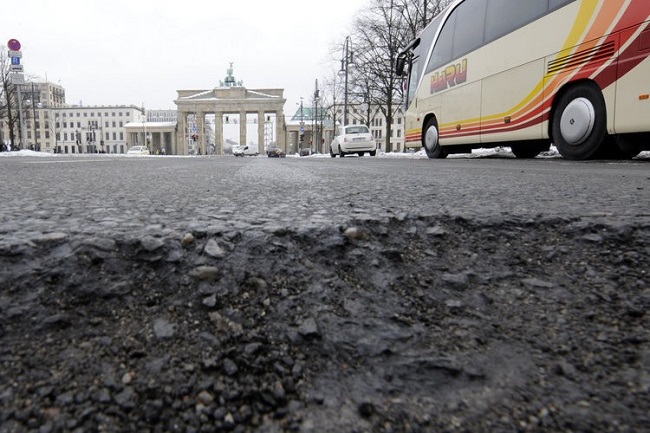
13, 45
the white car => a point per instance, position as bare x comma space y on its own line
138, 150
251, 150
353, 139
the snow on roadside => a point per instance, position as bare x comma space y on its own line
500, 152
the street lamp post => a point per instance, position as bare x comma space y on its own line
316, 135
36, 146
302, 127
346, 63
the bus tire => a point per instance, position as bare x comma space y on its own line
579, 122
627, 146
432, 140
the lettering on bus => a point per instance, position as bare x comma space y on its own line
451, 76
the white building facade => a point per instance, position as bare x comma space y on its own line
97, 129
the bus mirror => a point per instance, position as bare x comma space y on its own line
399, 66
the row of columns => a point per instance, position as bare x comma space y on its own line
182, 141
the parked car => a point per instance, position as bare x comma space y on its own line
138, 150
306, 151
275, 152
353, 139
249, 150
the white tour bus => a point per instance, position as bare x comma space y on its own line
528, 73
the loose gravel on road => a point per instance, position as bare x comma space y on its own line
401, 324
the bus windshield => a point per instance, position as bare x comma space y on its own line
416, 63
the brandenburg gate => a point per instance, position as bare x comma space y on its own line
231, 98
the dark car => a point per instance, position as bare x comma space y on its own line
276, 152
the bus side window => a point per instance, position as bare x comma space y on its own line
442, 51
555, 4
505, 16
470, 23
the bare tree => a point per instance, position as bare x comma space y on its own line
417, 14
8, 98
331, 95
380, 34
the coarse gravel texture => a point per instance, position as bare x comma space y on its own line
400, 324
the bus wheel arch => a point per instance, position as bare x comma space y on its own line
579, 120
431, 138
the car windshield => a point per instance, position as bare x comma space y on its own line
361, 129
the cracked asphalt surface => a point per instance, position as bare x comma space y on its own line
323, 295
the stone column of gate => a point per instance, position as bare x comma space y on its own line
242, 128
218, 133
280, 137
201, 130
181, 140
261, 126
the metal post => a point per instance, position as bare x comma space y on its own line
34, 113
346, 61
345, 94
20, 117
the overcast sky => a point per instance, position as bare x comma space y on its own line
141, 52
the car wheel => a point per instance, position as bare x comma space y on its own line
432, 141
332, 154
360, 153
373, 153
579, 122
341, 153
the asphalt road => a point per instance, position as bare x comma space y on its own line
324, 295
124, 193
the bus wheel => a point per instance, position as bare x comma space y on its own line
432, 142
527, 150
579, 122
625, 146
